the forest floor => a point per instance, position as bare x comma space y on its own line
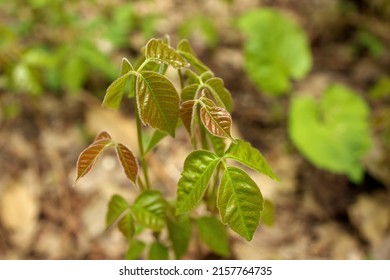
318, 214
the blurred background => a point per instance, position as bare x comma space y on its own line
310, 81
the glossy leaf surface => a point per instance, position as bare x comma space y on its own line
197, 171
244, 153
217, 121
240, 202
149, 209
157, 102
213, 234
128, 161
116, 207
159, 51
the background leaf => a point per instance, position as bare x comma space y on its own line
157, 50
158, 102
244, 153
276, 50
89, 156
197, 171
239, 202
158, 251
214, 235
126, 226
179, 230
149, 209
333, 134
128, 161
217, 121
116, 207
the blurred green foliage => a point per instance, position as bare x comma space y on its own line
64, 46
276, 50
202, 26
334, 133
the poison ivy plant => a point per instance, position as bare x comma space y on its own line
202, 105
276, 50
334, 132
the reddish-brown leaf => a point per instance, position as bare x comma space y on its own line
187, 114
217, 121
128, 161
89, 156
102, 136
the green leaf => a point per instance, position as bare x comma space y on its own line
204, 27
333, 134
239, 202
74, 74
187, 115
197, 171
213, 234
24, 79
156, 138
276, 50
244, 153
185, 50
158, 102
217, 121
192, 77
268, 214
158, 251
149, 209
116, 207
135, 250
128, 162
126, 67
218, 144
220, 94
89, 156
126, 226
159, 51
180, 234
115, 91
189, 92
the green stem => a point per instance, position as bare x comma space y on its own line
139, 69
144, 165
181, 78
